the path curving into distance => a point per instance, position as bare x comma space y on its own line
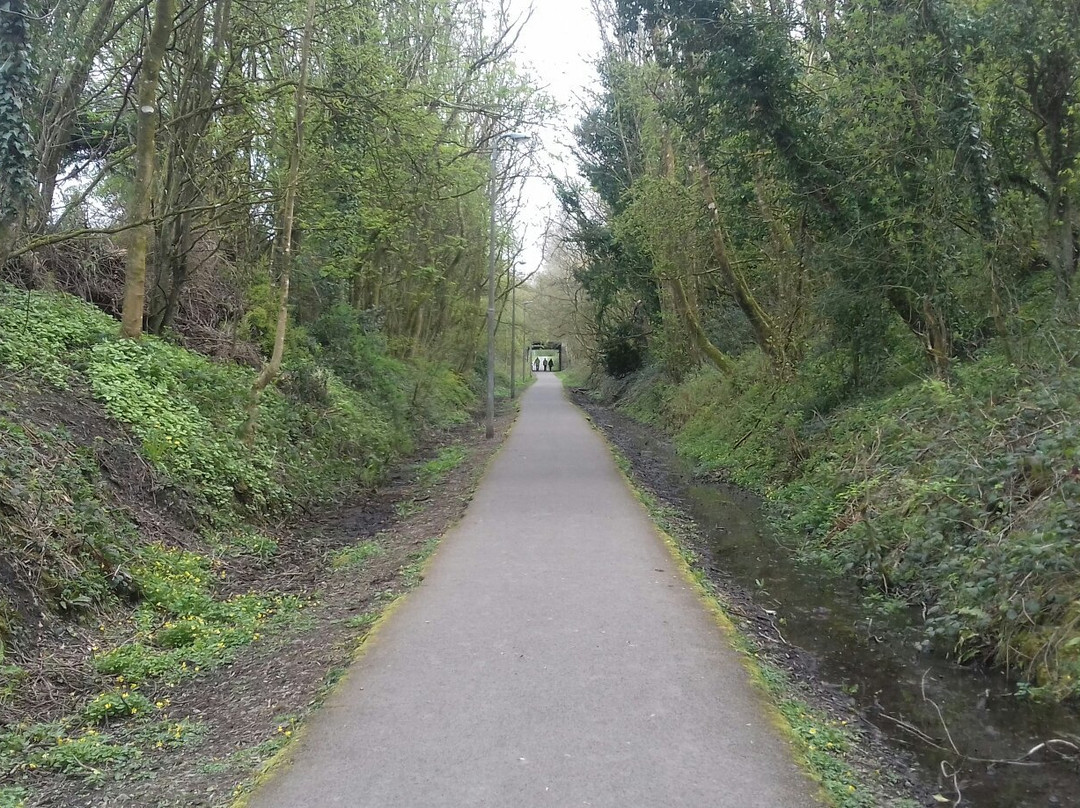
553, 656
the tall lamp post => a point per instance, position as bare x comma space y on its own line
526, 366
513, 137
512, 270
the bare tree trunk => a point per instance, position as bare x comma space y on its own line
927, 324
145, 158
1067, 249
272, 368
60, 113
195, 103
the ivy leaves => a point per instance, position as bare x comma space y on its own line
16, 152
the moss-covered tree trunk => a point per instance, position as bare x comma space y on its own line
764, 332
131, 322
688, 314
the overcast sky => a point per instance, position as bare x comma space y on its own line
558, 45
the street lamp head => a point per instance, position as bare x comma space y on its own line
514, 136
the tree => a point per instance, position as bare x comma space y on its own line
16, 153
145, 162
272, 368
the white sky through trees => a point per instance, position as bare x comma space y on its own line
558, 46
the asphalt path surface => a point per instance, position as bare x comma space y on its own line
553, 656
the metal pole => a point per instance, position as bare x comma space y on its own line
513, 329
490, 424
526, 364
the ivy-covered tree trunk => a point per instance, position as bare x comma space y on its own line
131, 323
16, 154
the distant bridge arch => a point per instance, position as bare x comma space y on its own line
552, 350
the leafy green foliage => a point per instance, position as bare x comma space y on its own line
434, 470
247, 541
43, 332
116, 705
321, 433
66, 748
13, 796
81, 755
156, 389
896, 184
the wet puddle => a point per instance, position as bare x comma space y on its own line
874, 656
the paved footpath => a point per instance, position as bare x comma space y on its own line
553, 656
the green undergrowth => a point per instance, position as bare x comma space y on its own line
93, 750
959, 496
62, 536
827, 746
181, 627
341, 413
13, 796
447, 459
357, 555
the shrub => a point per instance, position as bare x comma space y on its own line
959, 496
